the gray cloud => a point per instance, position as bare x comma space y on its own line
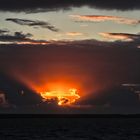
3, 31
33, 23
17, 37
47, 5
20, 38
13, 91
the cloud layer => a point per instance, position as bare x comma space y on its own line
122, 40
35, 5
103, 18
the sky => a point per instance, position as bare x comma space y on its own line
92, 46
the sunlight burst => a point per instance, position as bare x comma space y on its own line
62, 97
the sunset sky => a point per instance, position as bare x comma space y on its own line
68, 25
90, 45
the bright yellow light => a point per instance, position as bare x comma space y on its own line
63, 97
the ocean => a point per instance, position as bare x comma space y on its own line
70, 129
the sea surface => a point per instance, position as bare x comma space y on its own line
70, 129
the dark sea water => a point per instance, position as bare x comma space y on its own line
70, 129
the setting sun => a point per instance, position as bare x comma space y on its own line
62, 97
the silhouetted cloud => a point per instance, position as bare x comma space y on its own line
3, 31
123, 100
47, 5
97, 44
118, 98
124, 40
20, 38
133, 87
17, 37
121, 36
16, 92
33, 23
103, 18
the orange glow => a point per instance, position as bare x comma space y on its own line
63, 97
33, 43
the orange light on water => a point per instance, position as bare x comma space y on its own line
63, 97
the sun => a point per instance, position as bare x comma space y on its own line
63, 97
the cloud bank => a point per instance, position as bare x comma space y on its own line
47, 5
19, 38
117, 40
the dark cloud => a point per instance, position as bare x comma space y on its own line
3, 31
17, 37
117, 99
121, 36
33, 23
17, 93
123, 100
20, 38
35, 5
120, 96
123, 40
133, 42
